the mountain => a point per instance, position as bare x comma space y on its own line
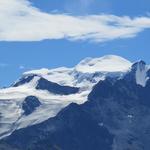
101, 103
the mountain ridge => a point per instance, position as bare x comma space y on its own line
135, 78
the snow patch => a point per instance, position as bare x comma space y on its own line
141, 75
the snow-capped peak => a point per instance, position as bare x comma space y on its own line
108, 63
84, 71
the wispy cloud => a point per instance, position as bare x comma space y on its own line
3, 65
78, 6
21, 67
85, 4
22, 22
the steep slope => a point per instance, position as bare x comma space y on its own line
116, 116
71, 129
55, 89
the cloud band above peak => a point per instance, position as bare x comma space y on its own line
22, 22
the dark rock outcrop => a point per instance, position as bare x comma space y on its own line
30, 104
55, 88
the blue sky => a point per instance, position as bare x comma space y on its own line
76, 7
18, 56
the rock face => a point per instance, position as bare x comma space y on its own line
55, 88
24, 80
123, 107
116, 116
30, 104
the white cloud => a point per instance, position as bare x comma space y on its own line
22, 22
